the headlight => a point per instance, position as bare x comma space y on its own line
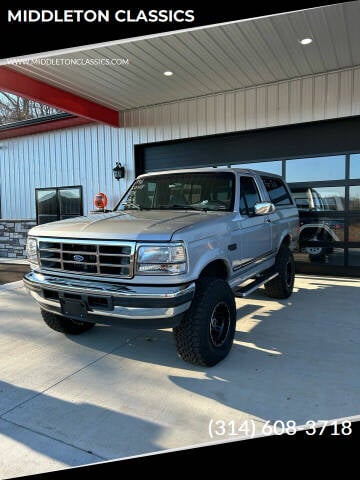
161, 259
31, 250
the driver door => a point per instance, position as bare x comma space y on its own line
252, 235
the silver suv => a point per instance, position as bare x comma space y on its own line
174, 252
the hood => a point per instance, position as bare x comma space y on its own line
153, 225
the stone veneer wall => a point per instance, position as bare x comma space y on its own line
13, 237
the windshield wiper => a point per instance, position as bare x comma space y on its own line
177, 206
132, 204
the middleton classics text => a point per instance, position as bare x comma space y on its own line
100, 16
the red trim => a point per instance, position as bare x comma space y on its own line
14, 82
43, 127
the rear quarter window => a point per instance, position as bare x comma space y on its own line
277, 191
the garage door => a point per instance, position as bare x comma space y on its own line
309, 139
321, 163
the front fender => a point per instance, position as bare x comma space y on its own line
202, 253
320, 227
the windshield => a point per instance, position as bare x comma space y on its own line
181, 191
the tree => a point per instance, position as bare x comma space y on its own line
15, 109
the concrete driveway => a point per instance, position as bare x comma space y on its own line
12, 272
114, 392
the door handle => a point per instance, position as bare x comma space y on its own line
268, 220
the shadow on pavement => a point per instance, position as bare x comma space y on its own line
298, 360
10, 272
109, 430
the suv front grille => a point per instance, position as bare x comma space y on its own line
88, 257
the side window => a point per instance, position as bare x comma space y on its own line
58, 203
249, 195
277, 192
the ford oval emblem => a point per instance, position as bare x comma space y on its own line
78, 258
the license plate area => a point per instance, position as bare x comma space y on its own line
74, 308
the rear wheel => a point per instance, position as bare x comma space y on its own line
282, 285
315, 253
206, 332
64, 324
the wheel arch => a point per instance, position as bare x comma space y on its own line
285, 241
217, 269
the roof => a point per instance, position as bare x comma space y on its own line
211, 170
208, 60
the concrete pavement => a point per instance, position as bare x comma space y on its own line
12, 272
114, 392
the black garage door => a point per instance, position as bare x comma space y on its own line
320, 161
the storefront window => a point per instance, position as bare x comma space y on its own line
315, 169
354, 198
269, 167
354, 257
354, 230
355, 166
319, 199
328, 202
333, 256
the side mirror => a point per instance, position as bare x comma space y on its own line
264, 208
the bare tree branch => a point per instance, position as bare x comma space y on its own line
14, 109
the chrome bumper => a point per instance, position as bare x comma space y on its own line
103, 299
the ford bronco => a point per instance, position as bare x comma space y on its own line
177, 249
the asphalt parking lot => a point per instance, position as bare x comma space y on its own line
114, 392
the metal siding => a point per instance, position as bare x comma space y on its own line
295, 101
261, 107
319, 96
240, 109
307, 99
166, 119
220, 122
345, 93
86, 155
272, 105
250, 108
143, 126
332, 92
159, 130
284, 103
210, 115
356, 93
200, 115
183, 120
128, 146
78, 156
175, 125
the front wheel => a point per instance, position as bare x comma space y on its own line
282, 285
206, 332
64, 324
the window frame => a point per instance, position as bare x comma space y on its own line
286, 188
248, 214
57, 190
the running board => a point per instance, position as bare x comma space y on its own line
243, 292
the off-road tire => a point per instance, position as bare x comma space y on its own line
64, 324
317, 258
282, 285
205, 334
